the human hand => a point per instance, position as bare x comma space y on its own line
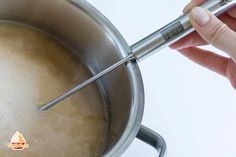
219, 32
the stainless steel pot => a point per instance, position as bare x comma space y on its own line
98, 44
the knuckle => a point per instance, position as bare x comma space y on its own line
217, 32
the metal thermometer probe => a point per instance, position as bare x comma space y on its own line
160, 39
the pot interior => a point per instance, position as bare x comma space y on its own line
96, 47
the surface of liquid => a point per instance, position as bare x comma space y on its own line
34, 69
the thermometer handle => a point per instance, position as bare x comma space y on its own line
175, 30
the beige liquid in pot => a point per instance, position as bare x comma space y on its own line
34, 69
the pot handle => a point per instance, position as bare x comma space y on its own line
152, 138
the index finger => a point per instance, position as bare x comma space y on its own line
193, 4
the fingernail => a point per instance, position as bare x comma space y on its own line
200, 16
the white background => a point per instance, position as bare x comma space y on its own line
192, 108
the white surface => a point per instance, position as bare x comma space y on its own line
192, 108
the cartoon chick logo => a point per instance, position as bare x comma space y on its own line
18, 142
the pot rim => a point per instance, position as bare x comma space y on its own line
137, 88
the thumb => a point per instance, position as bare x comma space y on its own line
214, 31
